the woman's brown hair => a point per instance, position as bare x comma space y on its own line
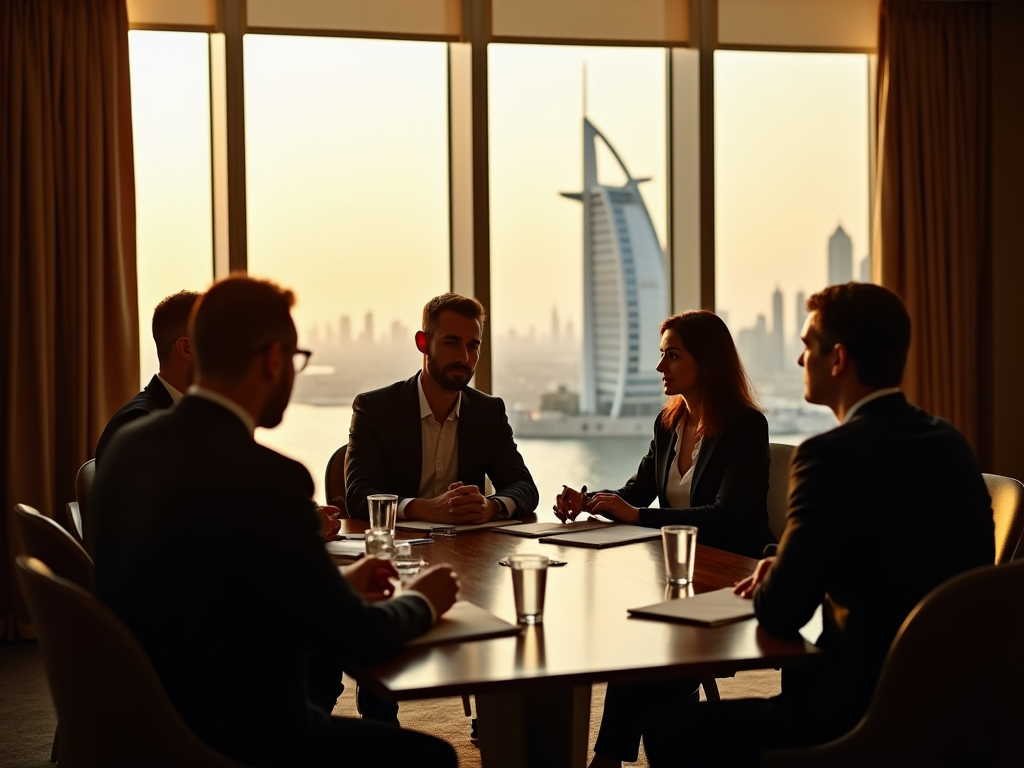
722, 382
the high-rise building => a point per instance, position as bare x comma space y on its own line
345, 329
801, 315
840, 257
865, 270
777, 345
366, 336
555, 329
625, 294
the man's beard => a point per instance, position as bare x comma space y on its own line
277, 402
443, 380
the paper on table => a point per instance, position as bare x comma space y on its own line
606, 536
536, 530
465, 621
353, 549
426, 525
708, 608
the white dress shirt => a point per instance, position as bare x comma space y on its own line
175, 394
677, 489
439, 466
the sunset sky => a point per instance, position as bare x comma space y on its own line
347, 157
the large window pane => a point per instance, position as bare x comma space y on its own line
567, 380
170, 77
347, 174
791, 174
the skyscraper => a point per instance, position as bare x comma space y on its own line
778, 346
625, 294
840, 257
801, 315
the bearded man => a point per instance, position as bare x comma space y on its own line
433, 439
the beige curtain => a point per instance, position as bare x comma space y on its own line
933, 194
69, 336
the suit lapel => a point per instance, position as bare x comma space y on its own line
467, 441
159, 393
707, 446
664, 456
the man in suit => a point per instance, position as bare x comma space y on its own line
174, 352
882, 510
432, 439
208, 547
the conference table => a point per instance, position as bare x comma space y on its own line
532, 690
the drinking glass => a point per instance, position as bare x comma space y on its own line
383, 511
680, 545
529, 580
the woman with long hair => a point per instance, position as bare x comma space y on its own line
708, 467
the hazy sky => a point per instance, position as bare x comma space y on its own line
347, 156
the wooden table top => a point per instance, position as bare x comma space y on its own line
587, 635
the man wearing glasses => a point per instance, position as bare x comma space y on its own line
208, 547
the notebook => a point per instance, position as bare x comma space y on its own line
465, 621
710, 609
605, 536
353, 549
536, 530
426, 526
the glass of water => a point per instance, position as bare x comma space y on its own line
406, 563
529, 580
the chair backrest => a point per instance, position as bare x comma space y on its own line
334, 481
46, 540
967, 637
1008, 514
83, 489
111, 706
74, 526
778, 487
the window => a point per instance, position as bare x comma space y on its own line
170, 80
347, 194
791, 168
558, 116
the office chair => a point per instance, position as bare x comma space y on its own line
334, 480
112, 708
966, 629
83, 489
1008, 514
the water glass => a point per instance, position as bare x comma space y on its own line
529, 580
406, 563
383, 511
379, 543
680, 545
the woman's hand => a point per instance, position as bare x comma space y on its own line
746, 587
570, 502
329, 522
612, 505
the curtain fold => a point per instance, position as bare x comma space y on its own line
932, 198
69, 338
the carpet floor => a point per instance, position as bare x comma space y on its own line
27, 717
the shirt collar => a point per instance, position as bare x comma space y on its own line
175, 394
425, 409
225, 402
867, 399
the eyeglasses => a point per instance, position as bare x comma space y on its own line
300, 359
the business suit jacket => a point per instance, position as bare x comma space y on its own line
882, 510
728, 492
154, 397
385, 450
208, 547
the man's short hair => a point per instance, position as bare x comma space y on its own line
170, 322
238, 318
873, 325
463, 305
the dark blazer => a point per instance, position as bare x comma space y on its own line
154, 397
208, 547
385, 450
881, 511
729, 490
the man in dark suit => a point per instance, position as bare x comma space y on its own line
174, 352
882, 510
432, 439
209, 548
